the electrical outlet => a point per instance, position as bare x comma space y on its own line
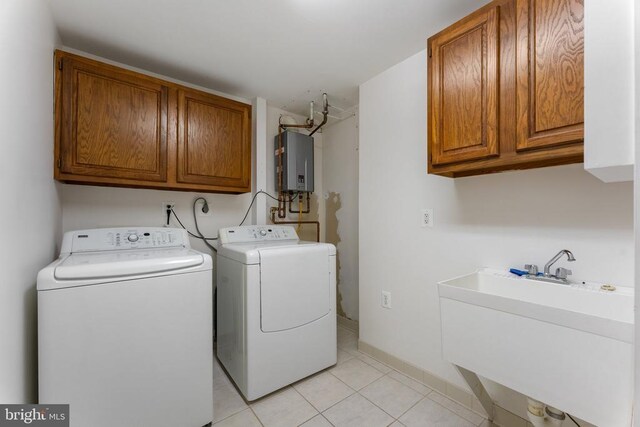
426, 218
199, 207
167, 218
386, 299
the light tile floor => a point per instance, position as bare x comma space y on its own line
358, 392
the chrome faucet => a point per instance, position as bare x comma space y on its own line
561, 273
547, 266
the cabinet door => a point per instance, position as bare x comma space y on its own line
112, 123
463, 92
214, 141
550, 68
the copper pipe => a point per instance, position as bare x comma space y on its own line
308, 208
282, 204
305, 126
282, 199
316, 223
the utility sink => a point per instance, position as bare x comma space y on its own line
569, 346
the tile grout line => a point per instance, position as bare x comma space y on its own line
461, 416
321, 413
429, 386
306, 400
235, 413
412, 406
393, 379
361, 395
256, 415
235, 388
365, 362
372, 358
401, 373
377, 379
231, 415
357, 391
365, 397
458, 415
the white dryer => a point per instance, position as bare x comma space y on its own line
276, 299
125, 329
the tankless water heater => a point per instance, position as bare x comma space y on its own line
297, 161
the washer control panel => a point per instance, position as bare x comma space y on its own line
257, 233
106, 239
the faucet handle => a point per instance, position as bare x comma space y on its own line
562, 273
532, 269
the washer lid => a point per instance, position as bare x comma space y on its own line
99, 265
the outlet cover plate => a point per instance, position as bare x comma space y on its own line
166, 221
385, 299
426, 218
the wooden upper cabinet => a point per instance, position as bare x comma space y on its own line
117, 127
113, 123
505, 88
214, 143
464, 90
550, 70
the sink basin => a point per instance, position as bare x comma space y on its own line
569, 346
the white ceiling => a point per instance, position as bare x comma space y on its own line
287, 51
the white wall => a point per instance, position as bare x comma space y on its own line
340, 172
637, 213
499, 220
259, 160
93, 207
31, 207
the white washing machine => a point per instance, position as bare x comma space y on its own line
276, 299
125, 329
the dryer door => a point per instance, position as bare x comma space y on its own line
294, 286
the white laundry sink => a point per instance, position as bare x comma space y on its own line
569, 346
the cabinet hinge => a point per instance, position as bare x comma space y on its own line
59, 163
430, 52
60, 64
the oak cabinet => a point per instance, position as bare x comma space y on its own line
464, 90
113, 123
117, 127
505, 88
550, 71
214, 144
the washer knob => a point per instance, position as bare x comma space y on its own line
263, 233
133, 238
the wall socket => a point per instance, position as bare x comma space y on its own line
426, 218
385, 299
167, 218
